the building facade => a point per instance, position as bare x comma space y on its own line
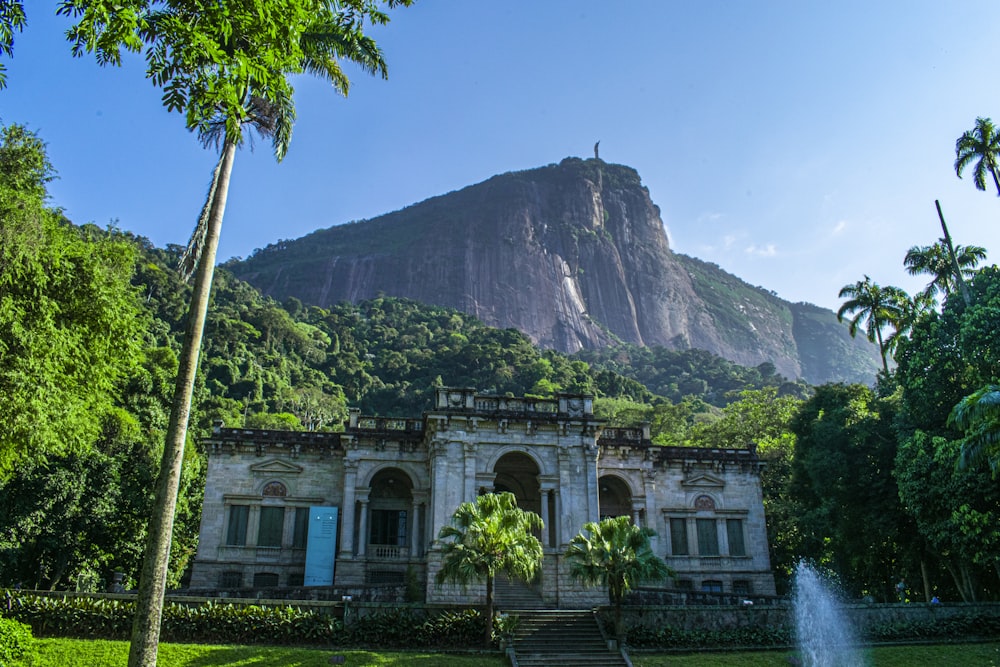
389, 485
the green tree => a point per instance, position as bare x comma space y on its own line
879, 307
935, 261
11, 19
489, 537
956, 511
848, 515
70, 324
980, 145
615, 553
978, 415
226, 66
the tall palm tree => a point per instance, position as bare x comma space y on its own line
489, 537
978, 414
935, 260
981, 145
877, 306
227, 67
615, 553
911, 309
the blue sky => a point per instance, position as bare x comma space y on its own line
799, 145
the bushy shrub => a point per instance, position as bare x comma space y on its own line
16, 642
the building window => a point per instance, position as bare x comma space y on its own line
296, 578
231, 579
236, 532
734, 531
265, 580
678, 537
708, 538
685, 584
301, 532
388, 527
272, 520
741, 587
711, 586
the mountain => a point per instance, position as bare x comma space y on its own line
574, 255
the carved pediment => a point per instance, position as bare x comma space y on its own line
703, 482
276, 467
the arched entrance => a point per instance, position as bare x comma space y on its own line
517, 473
390, 503
614, 497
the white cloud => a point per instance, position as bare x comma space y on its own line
838, 228
762, 251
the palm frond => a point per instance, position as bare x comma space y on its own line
191, 256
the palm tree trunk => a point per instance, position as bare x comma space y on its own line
881, 349
951, 252
489, 610
996, 181
152, 581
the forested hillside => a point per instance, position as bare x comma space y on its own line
284, 365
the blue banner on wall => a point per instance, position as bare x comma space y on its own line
321, 546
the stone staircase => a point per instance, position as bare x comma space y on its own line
567, 638
512, 594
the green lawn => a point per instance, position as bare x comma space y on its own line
99, 653
96, 653
937, 655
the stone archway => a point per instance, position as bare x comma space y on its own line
614, 497
517, 473
390, 506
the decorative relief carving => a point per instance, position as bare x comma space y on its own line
274, 490
704, 503
575, 407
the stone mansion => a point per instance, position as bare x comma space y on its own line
350, 510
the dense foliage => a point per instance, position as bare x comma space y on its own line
70, 324
243, 623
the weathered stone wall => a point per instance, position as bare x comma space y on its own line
777, 616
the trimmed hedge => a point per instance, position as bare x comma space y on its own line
16, 642
219, 622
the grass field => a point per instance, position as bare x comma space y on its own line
91, 653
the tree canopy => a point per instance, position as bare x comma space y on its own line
489, 537
615, 553
70, 322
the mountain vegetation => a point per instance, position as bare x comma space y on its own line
896, 479
572, 254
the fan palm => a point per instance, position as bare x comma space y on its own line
615, 553
226, 66
978, 414
981, 145
878, 307
935, 260
489, 537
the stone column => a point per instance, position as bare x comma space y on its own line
545, 517
363, 524
439, 514
471, 492
649, 481
347, 524
414, 518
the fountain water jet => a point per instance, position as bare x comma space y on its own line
823, 636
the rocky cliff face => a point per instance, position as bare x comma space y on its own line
574, 255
